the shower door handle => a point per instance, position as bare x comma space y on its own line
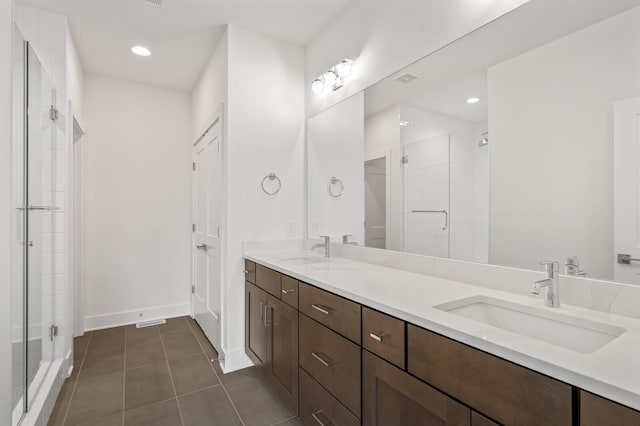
444, 212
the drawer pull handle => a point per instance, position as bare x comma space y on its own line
323, 361
321, 421
292, 290
321, 308
377, 336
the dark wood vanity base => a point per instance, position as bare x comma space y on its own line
341, 363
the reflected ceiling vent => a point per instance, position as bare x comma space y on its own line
407, 78
156, 3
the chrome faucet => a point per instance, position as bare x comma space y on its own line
550, 284
345, 240
572, 267
326, 245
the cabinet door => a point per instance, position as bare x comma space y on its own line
282, 349
255, 330
393, 397
597, 411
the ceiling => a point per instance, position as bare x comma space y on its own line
181, 34
447, 78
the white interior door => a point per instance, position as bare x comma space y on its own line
207, 277
626, 190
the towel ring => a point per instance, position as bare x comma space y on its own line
335, 181
271, 176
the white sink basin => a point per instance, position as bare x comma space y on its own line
576, 334
302, 259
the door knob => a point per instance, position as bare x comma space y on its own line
203, 247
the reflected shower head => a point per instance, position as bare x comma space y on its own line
484, 140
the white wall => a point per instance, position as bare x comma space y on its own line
385, 36
551, 149
262, 81
6, 26
336, 149
75, 79
138, 202
211, 90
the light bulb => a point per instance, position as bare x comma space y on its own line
473, 100
141, 51
317, 86
343, 69
330, 78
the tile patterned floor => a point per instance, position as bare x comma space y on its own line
165, 375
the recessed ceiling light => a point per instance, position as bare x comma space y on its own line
141, 51
404, 123
473, 100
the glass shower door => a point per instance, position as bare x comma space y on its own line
37, 226
41, 220
426, 197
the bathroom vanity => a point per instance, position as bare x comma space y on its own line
348, 343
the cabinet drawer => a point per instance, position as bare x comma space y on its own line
338, 314
506, 392
317, 406
383, 335
290, 291
268, 280
332, 360
250, 271
392, 397
597, 411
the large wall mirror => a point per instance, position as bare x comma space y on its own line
518, 143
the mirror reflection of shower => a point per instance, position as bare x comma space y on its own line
446, 194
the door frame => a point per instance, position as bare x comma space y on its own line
217, 118
387, 155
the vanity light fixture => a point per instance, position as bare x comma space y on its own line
334, 78
141, 51
473, 100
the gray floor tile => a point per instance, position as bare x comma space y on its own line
179, 342
290, 422
62, 403
146, 385
165, 413
143, 347
254, 399
192, 373
103, 359
96, 397
112, 420
208, 407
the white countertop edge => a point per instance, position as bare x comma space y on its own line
597, 387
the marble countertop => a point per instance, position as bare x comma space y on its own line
612, 371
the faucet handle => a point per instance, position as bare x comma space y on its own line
326, 238
345, 238
550, 267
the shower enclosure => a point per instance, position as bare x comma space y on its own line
446, 196
37, 224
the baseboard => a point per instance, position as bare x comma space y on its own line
233, 361
117, 319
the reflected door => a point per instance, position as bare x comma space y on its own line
426, 197
375, 203
626, 239
207, 288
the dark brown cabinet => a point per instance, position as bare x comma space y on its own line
497, 388
255, 329
271, 341
318, 406
391, 396
596, 411
282, 350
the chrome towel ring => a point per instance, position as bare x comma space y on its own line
335, 187
272, 177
